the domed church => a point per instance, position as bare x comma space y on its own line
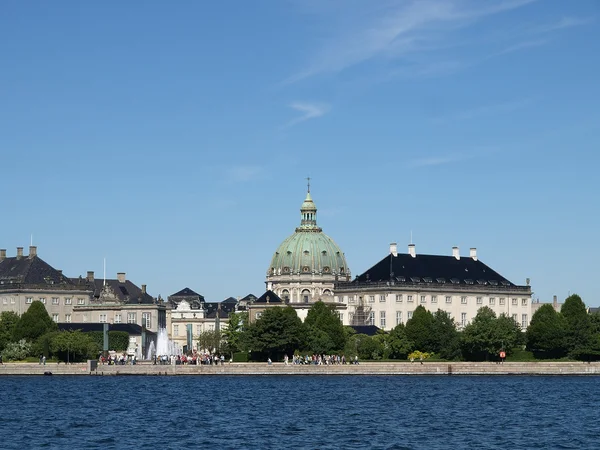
306, 265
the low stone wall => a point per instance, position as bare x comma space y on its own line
366, 368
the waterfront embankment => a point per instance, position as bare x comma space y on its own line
364, 368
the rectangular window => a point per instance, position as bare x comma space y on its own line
211, 327
398, 317
463, 300
68, 301
409, 315
434, 299
514, 317
372, 318
371, 299
479, 300
524, 321
12, 300
198, 330
28, 300
55, 300
146, 319
381, 319
81, 301
258, 315
351, 299
524, 302
409, 298
117, 318
341, 317
131, 317
398, 298
4, 301
68, 318
175, 330
85, 317
448, 299
502, 301
463, 319
514, 302
382, 299
423, 300
102, 318
492, 301
43, 300
55, 317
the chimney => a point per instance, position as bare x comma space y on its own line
473, 253
555, 302
19, 252
411, 250
2, 254
32, 251
455, 252
394, 249
121, 277
90, 275
143, 288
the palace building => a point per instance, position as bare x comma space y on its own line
388, 293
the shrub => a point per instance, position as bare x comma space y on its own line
16, 351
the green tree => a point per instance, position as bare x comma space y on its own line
487, 334
578, 325
279, 331
365, 347
8, 321
33, 323
210, 340
546, 333
73, 346
324, 329
445, 336
398, 344
235, 335
419, 330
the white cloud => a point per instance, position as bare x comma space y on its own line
395, 30
308, 110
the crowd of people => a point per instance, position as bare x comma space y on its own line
319, 360
195, 358
118, 360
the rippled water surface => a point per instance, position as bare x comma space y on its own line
305, 412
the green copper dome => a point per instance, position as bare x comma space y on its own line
308, 250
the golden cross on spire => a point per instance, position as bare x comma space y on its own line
308, 183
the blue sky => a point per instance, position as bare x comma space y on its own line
174, 139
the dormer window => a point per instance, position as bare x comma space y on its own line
454, 280
324, 253
415, 279
326, 269
286, 270
341, 270
305, 252
306, 269
441, 280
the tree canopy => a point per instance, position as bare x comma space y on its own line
324, 330
34, 323
546, 333
277, 332
8, 321
487, 334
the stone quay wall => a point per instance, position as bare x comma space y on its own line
364, 368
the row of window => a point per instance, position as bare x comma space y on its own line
55, 300
399, 319
464, 300
211, 327
102, 318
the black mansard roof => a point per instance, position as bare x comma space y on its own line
271, 296
30, 270
125, 292
434, 269
187, 292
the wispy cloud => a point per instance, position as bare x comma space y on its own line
242, 174
487, 110
309, 111
521, 46
401, 28
565, 22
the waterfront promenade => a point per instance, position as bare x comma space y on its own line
364, 368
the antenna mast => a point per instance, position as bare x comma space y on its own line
104, 284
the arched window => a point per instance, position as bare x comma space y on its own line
305, 295
285, 295
326, 292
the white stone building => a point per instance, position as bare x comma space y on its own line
388, 293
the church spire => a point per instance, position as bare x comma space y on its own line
308, 213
